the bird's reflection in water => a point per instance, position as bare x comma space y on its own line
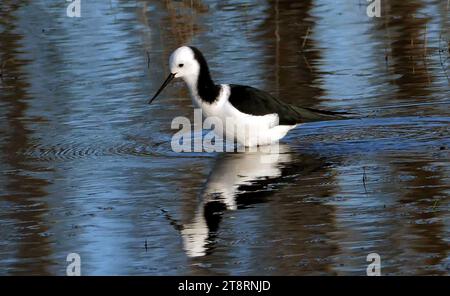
239, 180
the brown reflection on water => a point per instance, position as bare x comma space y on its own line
23, 193
426, 193
409, 48
182, 16
291, 52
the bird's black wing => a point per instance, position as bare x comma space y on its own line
253, 101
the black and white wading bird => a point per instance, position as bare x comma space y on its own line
257, 117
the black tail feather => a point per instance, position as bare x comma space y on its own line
306, 114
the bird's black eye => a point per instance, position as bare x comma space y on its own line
180, 65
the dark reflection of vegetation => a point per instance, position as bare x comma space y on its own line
425, 190
287, 29
184, 22
409, 48
182, 15
409, 55
24, 192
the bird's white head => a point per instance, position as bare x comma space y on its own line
183, 64
189, 64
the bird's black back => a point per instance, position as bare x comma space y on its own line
256, 102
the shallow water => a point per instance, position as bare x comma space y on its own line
87, 167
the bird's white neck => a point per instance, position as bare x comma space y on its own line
192, 82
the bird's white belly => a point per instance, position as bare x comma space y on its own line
248, 130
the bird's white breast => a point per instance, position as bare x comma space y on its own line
249, 130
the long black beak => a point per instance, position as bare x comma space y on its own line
168, 80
